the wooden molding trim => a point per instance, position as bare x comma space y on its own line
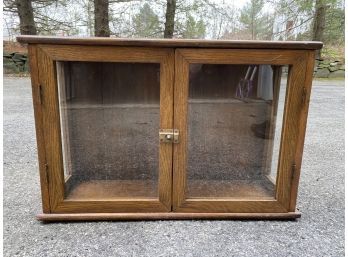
196, 43
166, 216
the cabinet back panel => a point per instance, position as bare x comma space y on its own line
233, 136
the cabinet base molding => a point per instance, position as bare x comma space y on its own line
53, 217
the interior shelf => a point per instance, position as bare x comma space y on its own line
111, 189
260, 188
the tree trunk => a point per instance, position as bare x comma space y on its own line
319, 22
90, 19
170, 15
101, 18
26, 17
253, 20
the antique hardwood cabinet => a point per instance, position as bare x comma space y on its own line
169, 129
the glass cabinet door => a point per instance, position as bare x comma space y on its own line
110, 112
229, 108
110, 115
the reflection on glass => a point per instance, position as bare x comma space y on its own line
232, 123
109, 125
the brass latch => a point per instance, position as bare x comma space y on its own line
169, 136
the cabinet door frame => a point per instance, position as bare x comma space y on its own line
293, 130
46, 103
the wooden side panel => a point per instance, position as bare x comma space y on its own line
34, 72
302, 123
51, 128
292, 128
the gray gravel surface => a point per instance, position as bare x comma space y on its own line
320, 231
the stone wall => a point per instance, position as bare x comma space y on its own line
329, 69
14, 63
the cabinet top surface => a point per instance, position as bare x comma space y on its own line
194, 43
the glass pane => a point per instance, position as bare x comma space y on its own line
109, 126
233, 130
278, 120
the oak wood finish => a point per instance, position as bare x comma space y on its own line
194, 43
295, 103
32, 53
107, 53
261, 189
297, 61
174, 56
301, 129
53, 217
113, 190
51, 128
47, 56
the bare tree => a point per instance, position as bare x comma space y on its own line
37, 16
26, 17
88, 19
169, 22
101, 18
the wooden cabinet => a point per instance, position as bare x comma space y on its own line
169, 129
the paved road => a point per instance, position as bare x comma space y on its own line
320, 231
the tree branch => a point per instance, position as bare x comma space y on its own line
299, 25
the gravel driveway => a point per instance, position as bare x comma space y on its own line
320, 231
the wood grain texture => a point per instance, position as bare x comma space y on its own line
51, 128
242, 56
180, 122
117, 205
236, 188
166, 121
106, 53
297, 60
166, 216
231, 206
112, 190
51, 125
240, 44
34, 74
302, 123
291, 128
172, 195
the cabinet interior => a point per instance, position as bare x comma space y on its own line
110, 118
